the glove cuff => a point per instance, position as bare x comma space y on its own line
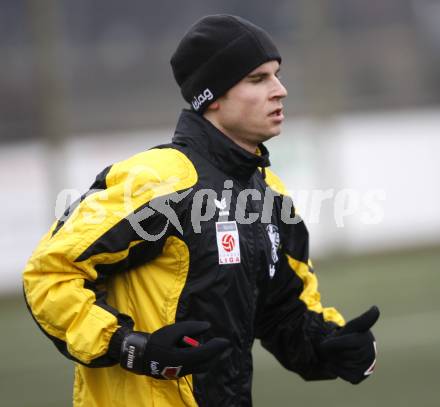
114, 347
318, 329
133, 349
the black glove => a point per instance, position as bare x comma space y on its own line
350, 352
164, 355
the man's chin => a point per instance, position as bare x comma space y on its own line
273, 133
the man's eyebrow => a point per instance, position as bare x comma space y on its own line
262, 73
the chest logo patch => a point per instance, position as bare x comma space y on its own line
222, 206
228, 242
274, 237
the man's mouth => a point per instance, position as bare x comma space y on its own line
277, 113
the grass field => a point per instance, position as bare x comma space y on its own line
406, 287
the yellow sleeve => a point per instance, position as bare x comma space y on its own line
59, 278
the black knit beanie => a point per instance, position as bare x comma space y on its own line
216, 53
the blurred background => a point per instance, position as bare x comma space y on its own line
84, 84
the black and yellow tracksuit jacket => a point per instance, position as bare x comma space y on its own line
119, 260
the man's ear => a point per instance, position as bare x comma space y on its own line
213, 106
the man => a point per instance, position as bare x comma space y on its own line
194, 251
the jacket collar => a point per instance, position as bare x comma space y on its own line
195, 131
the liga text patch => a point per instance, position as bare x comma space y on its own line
228, 242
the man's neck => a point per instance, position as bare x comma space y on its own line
240, 141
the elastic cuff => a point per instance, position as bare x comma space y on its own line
114, 348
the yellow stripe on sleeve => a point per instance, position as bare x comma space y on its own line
310, 294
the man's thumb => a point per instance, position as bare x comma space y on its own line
362, 323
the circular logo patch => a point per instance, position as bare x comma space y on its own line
228, 242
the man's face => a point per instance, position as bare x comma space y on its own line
252, 112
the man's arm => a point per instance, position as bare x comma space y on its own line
292, 323
63, 277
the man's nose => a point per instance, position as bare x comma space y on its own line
280, 90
